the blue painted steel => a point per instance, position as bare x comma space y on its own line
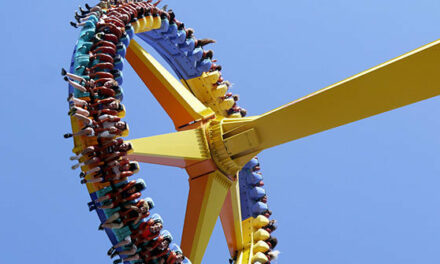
257, 193
253, 178
178, 52
250, 194
258, 208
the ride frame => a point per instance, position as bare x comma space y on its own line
213, 148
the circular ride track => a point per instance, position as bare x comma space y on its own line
215, 142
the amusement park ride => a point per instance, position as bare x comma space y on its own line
217, 150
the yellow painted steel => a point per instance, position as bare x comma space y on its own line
78, 145
239, 259
215, 193
144, 24
248, 233
260, 246
206, 91
149, 24
231, 219
259, 257
404, 80
261, 234
188, 145
253, 236
180, 104
136, 26
157, 22
236, 209
260, 221
241, 142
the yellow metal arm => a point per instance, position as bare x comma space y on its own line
206, 196
179, 149
179, 103
230, 217
407, 79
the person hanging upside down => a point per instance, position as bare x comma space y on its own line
119, 153
109, 89
113, 171
108, 147
121, 195
153, 225
215, 67
113, 109
158, 249
175, 256
256, 168
101, 57
82, 84
243, 112
101, 25
106, 36
148, 230
111, 106
263, 199
92, 162
105, 123
85, 15
129, 214
107, 131
110, 131
267, 213
108, 103
129, 253
272, 226
99, 121
272, 242
155, 247
265, 258
78, 110
99, 168
202, 42
108, 153
103, 43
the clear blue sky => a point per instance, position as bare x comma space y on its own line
359, 194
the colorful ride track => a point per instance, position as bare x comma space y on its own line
213, 142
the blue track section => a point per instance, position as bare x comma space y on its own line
180, 53
250, 192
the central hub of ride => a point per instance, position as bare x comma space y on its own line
219, 152
230, 144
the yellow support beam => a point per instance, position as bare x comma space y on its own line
179, 149
248, 237
179, 103
230, 217
207, 194
404, 80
